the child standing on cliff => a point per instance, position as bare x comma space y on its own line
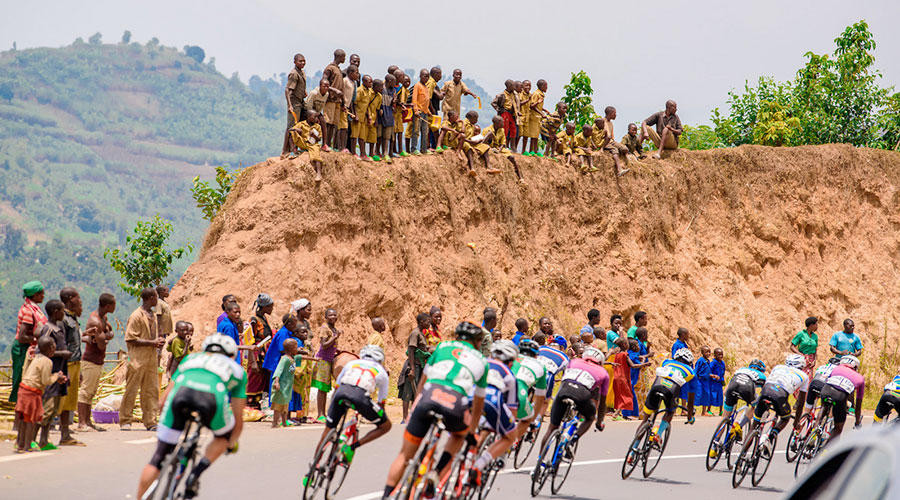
306, 136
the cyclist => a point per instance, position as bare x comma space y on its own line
742, 387
586, 383
500, 404
844, 381
357, 383
784, 380
674, 374
204, 383
818, 381
890, 400
455, 370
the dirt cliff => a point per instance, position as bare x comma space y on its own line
739, 245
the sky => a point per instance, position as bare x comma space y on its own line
638, 54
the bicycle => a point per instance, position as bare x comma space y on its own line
722, 442
797, 438
559, 452
815, 441
176, 466
752, 453
329, 468
642, 446
522, 449
458, 479
412, 484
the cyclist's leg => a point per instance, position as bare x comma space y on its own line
336, 411
838, 411
216, 414
374, 413
886, 404
417, 426
588, 410
169, 430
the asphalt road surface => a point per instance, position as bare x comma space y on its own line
271, 462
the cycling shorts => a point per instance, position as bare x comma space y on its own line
580, 396
662, 391
497, 417
890, 400
815, 389
739, 390
440, 400
351, 396
213, 409
775, 398
838, 401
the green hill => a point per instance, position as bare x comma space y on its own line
94, 136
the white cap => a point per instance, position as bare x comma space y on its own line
299, 304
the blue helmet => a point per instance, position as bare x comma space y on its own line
758, 365
559, 339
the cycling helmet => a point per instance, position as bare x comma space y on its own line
684, 355
851, 361
835, 360
594, 355
504, 351
528, 347
560, 341
469, 331
795, 361
758, 365
372, 353
221, 344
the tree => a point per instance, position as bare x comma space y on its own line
210, 198
578, 99
145, 261
126, 37
6, 91
13, 241
96, 39
195, 53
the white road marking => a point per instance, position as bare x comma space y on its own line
377, 494
26, 456
142, 441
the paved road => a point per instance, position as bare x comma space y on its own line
271, 462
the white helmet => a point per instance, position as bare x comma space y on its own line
593, 355
684, 355
795, 360
851, 361
373, 353
504, 351
222, 344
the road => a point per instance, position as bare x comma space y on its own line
270, 464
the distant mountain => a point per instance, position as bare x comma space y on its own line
94, 136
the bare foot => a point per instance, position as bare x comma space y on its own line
318, 177
655, 156
493, 171
623, 172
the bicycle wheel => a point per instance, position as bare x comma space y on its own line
544, 465
744, 461
316, 478
337, 470
490, 475
523, 448
808, 451
715, 445
566, 458
160, 488
650, 447
634, 454
796, 439
763, 459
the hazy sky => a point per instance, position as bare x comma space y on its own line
638, 54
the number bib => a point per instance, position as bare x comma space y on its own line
842, 383
580, 376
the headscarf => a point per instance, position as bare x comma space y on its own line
299, 304
263, 300
31, 288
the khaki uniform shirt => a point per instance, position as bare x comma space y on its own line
38, 374
453, 96
334, 75
316, 101
296, 85
164, 318
141, 325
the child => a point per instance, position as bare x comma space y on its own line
406, 112
587, 339
633, 143
306, 136
54, 393
179, 346
386, 119
372, 118
637, 363
377, 338
492, 136
550, 127
305, 364
283, 383
359, 128
565, 142
452, 131
521, 330
621, 377
701, 369
610, 145
524, 95
717, 379
535, 112
29, 408
583, 143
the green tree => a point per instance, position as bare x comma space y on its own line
774, 126
195, 53
145, 261
210, 198
577, 97
126, 37
6, 91
96, 39
702, 137
13, 241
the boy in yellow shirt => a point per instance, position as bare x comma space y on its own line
535, 111
492, 137
582, 145
452, 131
359, 126
524, 96
565, 142
617, 150
550, 127
402, 128
306, 136
372, 118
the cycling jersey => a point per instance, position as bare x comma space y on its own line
889, 401
458, 366
893, 385
823, 372
204, 381
847, 380
500, 399
367, 375
590, 375
554, 361
678, 373
530, 375
748, 374
789, 379
742, 386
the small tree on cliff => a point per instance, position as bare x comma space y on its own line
145, 261
578, 99
210, 198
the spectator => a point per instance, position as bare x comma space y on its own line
806, 342
593, 317
453, 91
717, 376
328, 337
489, 323
640, 321
53, 394
417, 353
283, 383
294, 94
257, 376
28, 324
377, 337
232, 326
668, 129
682, 342
702, 371
614, 332
846, 342
225, 301
141, 371
29, 407
72, 328
98, 334
306, 365
521, 330
179, 346
433, 332
546, 327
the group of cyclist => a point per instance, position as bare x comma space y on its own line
503, 394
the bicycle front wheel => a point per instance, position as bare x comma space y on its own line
764, 458
654, 451
336, 471
795, 440
566, 458
633, 455
715, 449
160, 489
523, 449
744, 461
316, 477
807, 452
544, 464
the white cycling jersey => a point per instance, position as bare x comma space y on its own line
788, 378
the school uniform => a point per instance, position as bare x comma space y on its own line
701, 370
306, 137
533, 125
452, 140
565, 142
717, 367
359, 128
372, 114
582, 144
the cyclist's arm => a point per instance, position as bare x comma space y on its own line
860, 391
382, 382
237, 407
801, 397
477, 408
601, 411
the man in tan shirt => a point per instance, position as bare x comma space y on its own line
141, 371
453, 92
294, 93
332, 111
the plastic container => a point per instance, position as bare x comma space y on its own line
105, 417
